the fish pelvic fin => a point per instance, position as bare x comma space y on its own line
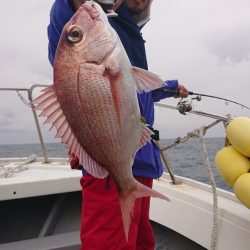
145, 135
127, 203
146, 80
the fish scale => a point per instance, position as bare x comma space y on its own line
95, 89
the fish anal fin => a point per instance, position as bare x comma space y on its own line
91, 166
146, 80
127, 203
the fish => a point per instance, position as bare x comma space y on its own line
93, 103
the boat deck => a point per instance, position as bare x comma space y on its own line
188, 216
50, 178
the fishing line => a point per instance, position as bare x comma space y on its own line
220, 98
199, 95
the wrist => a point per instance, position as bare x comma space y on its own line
171, 84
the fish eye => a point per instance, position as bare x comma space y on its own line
75, 34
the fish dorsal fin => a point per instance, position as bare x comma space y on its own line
146, 80
51, 108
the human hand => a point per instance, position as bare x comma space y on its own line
117, 4
77, 3
182, 91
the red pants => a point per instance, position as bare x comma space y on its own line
101, 223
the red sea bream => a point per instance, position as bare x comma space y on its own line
93, 103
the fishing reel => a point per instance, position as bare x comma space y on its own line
185, 106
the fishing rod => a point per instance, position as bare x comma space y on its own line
199, 95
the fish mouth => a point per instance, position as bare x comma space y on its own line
91, 9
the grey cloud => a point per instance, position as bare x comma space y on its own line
230, 45
6, 117
204, 44
10, 121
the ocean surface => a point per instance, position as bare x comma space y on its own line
185, 159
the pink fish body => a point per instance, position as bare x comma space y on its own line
93, 103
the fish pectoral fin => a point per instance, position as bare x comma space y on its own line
146, 80
145, 135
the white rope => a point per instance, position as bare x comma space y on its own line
191, 134
213, 185
6, 171
195, 134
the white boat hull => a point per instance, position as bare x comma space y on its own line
190, 212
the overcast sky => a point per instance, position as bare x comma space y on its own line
205, 44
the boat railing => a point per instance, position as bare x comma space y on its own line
200, 113
29, 92
29, 103
196, 133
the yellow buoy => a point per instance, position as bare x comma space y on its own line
231, 164
242, 189
238, 133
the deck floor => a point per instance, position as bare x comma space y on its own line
167, 239
35, 210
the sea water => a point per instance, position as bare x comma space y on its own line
186, 159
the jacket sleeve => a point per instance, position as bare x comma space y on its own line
60, 14
159, 94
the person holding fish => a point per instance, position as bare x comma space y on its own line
102, 105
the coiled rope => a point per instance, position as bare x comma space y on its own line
6, 171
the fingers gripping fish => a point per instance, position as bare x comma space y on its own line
93, 103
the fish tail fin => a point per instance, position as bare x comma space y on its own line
127, 203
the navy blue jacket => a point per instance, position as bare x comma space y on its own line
147, 161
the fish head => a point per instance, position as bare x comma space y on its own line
87, 37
